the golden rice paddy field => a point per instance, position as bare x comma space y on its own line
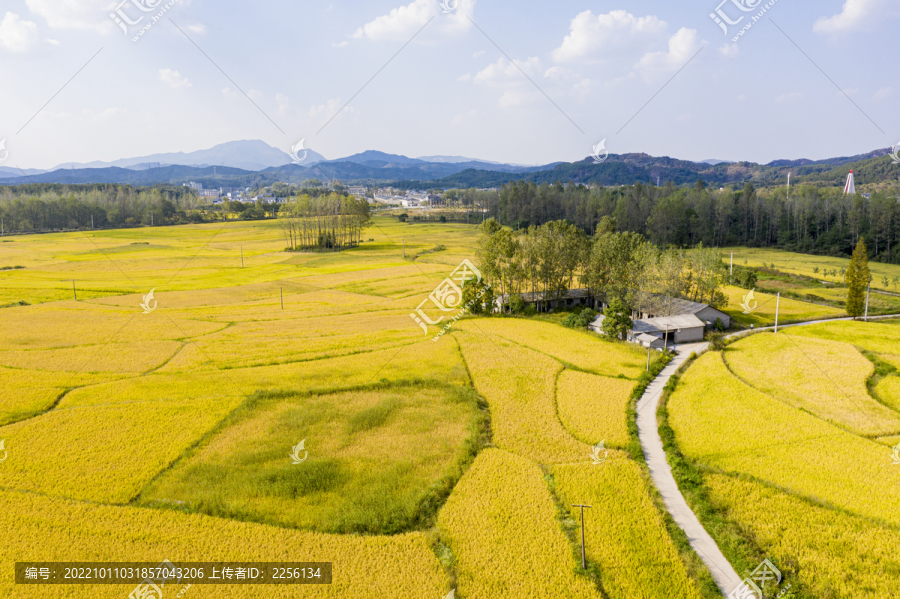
794, 450
763, 314
809, 265
172, 433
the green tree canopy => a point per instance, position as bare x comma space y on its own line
857, 279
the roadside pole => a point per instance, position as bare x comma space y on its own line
583, 560
868, 287
777, 306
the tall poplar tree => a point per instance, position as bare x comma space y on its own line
857, 279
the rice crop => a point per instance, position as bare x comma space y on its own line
593, 408
626, 537
519, 386
723, 423
586, 351
401, 566
825, 378
789, 310
834, 553
501, 524
374, 461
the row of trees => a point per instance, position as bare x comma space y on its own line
805, 218
43, 206
324, 222
621, 266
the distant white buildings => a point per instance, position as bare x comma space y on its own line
356, 190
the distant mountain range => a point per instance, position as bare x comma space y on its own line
252, 163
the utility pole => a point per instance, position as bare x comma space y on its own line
242, 256
282, 298
583, 561
777, 306
404, 246
866, 318
92, 221
75, 293
649, 348
731, 272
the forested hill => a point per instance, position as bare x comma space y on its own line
628, 169
623, 169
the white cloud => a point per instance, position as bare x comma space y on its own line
517, 97
559, 73
77, 14
17, 35
106, 115
197, 28
173, 78
682, 46
479, 53
506, 75
464, 116
340, 44
465, 77
884, 93
230, 93
604, 36
783, 98
329, 109
403, 22
53, 42
504, 71
283, 104
729, 50
583, 89
255, 95
855, 15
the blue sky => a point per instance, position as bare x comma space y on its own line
590, 67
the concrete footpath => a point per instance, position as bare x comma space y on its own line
648, 432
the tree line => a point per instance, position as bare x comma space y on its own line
804, 218
324, 222
50, 206
612, 265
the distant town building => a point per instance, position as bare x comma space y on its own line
209, 193
356, 190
